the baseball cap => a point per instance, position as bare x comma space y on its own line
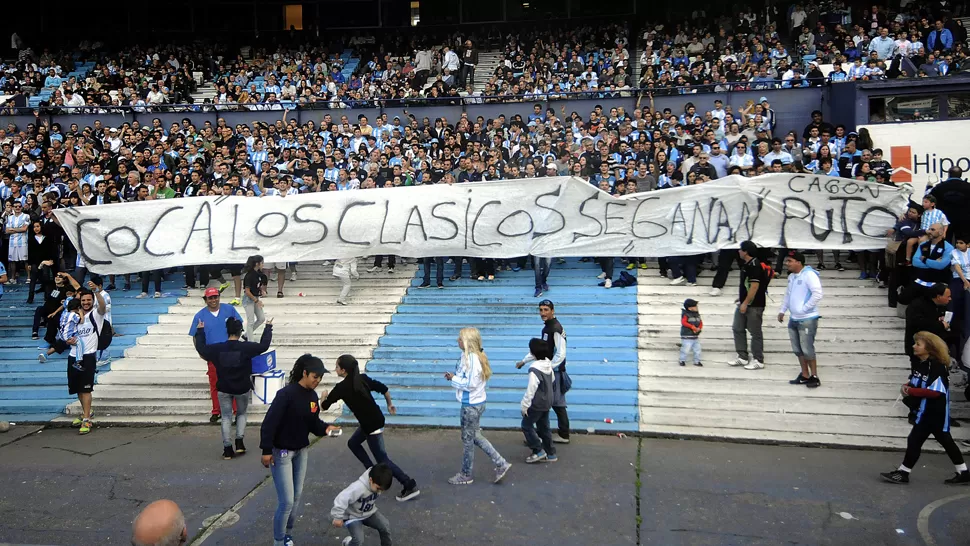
312, 364
797, 256
688, 303
211, 292
763, 99
547, 303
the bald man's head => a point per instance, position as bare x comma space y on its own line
161, 523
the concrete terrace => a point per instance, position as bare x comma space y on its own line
860, 363
161, 378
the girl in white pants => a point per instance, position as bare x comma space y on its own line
345, 270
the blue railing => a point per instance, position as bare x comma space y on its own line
333, 104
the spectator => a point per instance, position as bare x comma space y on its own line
925, 313
802, 297
751, 306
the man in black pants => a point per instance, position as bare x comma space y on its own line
725, 258
554, 334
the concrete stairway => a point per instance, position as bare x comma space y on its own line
487, 63
421, 344
162, 379
205, 91
861, 365
34, 392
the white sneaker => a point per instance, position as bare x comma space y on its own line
601, 275
272, 277
42, 357
158, 295
141, 296
608, 283
754, 365
374, 269
678, 281
738, 362
715, 292
692, 284
293, 276
346, 541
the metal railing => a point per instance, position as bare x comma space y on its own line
335, 103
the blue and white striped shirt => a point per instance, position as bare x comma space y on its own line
961, 259
933, 216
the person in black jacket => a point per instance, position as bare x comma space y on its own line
355, 391
233, 361
293, 416
925, 312
41, 258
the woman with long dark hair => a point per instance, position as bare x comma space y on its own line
293, 416
355, 392
928, 393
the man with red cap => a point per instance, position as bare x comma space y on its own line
214, 315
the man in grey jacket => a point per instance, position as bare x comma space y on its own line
422, 67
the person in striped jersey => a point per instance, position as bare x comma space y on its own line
928, 393
931, 215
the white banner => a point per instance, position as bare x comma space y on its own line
553, 217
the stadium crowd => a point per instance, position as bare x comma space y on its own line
805, 44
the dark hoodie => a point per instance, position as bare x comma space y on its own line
233, 359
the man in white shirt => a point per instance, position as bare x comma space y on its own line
450, 60
802, 297
82, 362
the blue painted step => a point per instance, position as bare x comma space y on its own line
508, 354
505, 310
577, 367
514, 411
529, 330
490, 421
35, 393
512, 396
520, 342
580, 382
33, 378
526, 319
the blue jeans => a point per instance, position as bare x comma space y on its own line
439, 264
375, 521
688, 346
471, 436
533, 420
541, 267
376, 444
289, 471
225, 405
802, 336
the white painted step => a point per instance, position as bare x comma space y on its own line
290, 327
162, 380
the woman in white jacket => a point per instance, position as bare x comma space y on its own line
345, 270
471, 375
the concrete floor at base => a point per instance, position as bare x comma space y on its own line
61, 489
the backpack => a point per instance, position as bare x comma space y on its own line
769, 273
105, 334
764, 259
